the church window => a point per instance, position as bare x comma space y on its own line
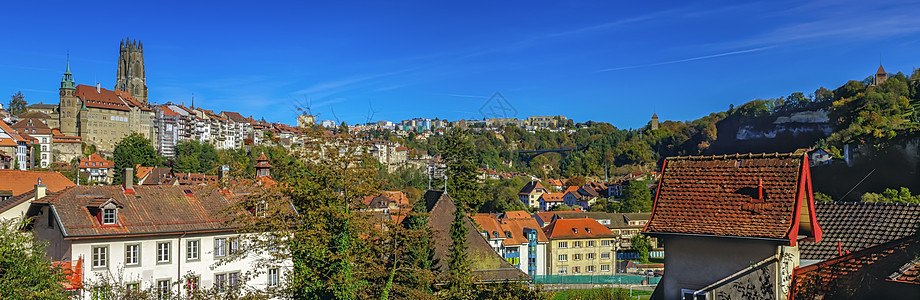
68, 102
68, 114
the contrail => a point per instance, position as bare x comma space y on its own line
687, 59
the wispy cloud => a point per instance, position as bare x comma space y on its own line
41, 91
392, 87
341, 83
468, 96
327, 102
687, 59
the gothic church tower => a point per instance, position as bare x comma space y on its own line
131, 77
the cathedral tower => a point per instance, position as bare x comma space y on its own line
70, 104
131, 77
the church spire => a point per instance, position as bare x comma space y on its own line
67, 81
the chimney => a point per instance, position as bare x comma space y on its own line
98, 88
40, 189
128, 179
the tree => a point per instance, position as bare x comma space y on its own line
24, 271
462, 170
641, 244
132, 150
36, 155
17, 104
636, 198
576, 181
195, 157
562, 207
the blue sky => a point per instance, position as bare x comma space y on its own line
610, 61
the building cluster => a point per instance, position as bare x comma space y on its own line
538, 196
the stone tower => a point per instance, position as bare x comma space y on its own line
70, 104
880, 75
654, 121
131, 77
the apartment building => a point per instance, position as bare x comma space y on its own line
580, 247
516, 237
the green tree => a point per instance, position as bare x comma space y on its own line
641, 244
17, 104
36, 155
636, 198
132, 150
24, 271
195, 157
462, 170
459, 262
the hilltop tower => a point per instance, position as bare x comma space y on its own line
70, 104
880, 75
654, 121
131, 76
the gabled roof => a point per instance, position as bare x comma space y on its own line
880, 70
150, 210
859, 225
100, 162
34, 114
530, 186
31, 125
103, 99
576, 229
617, 220
23, 181
859, 274
552, 197
235, 116
511, 230
487, 264
740, 195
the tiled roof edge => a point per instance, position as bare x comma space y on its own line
796, 154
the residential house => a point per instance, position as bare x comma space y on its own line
543, 218
580, 247
732, 220
14, 149
622, 225
579, 196
531, 192
97, 169
820, 157
515, 236
387, 201
550, 200
18, 188
557, 185
240, 127
41, 107
150, 237
168, 130
42, 137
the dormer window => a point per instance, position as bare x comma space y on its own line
588, 230
109, 216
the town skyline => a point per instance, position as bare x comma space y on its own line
534, 56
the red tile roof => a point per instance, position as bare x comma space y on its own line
552, 197
23, 181
721, 196
236, 117
98, 160
33, 126
857, 274
576, 229
150, 210
103, 99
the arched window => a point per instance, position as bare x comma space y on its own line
68, 102
68, 114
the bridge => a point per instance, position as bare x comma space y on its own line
528, 155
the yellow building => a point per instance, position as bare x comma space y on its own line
580, 247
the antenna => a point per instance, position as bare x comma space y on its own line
193, 100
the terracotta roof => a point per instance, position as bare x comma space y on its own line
15, 137
96, 161
547, 216
34, 114
155, 176
236, 117
576, 229
194, 178
492, 267
617, 220
740, 195
908, 273
103, 99
23, 181
513, 230
552, 197
33, 126
402, 149
880, 70
16, 200
858, 274
73, 273
518, 214
262, 161
167, 111
530, 186
859, 225
149, 210
132, 101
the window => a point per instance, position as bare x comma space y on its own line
605, 243
233, 279
562, 270
220, 282
589, 269
273, 278
163, 289
132, 254
563, 257
100, 257
109, 216
578, 244
220, 247
163, 252
577, 256
590, 243
590, 255
191, 285
605, 255
191, 249
575, 270
133, 287
562, 244
605, 268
